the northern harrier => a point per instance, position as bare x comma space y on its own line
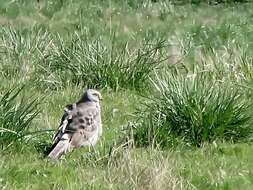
80, 125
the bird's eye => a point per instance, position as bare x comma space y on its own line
97, 95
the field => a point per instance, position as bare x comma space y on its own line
176, 79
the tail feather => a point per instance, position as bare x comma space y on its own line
59, 149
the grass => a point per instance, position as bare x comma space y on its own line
194, 107
210, 167
101, 66
16, 118
126, 48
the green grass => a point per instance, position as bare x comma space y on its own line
126, 49
196, 108
16, 118
211, 167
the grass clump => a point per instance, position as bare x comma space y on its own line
20, 50
15, 117
96, 64
194, 108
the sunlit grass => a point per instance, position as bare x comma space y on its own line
196, 108
15, 118
124, 48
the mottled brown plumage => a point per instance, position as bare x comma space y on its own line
80, 125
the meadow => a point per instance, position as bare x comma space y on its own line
177, 82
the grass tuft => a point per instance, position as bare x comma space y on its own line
16, 116
195, 108
96, 65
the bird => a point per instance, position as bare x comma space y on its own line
80, 126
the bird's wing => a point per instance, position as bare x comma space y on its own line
86, 123
65, 121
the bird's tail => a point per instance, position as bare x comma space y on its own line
60, 148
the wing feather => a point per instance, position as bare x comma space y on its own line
87, 128
65, 121
82, 122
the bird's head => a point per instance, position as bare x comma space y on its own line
92, 95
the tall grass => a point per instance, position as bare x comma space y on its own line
21, 49
95, 64
53, 61
16, 115
195, 108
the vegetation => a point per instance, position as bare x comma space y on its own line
196, 108
15, 118
176, 78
